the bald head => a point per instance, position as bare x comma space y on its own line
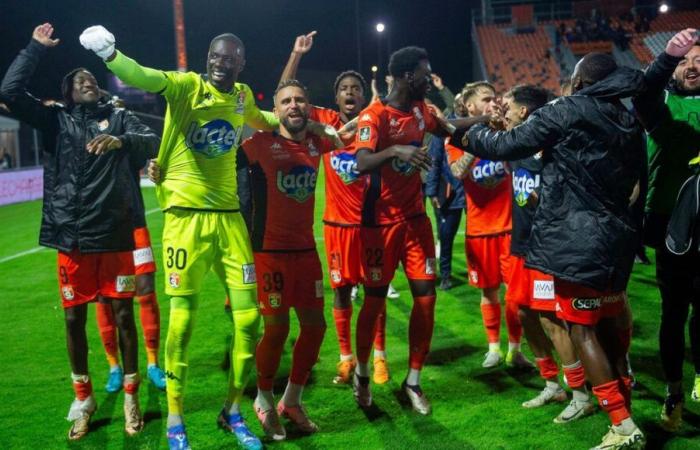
591, 69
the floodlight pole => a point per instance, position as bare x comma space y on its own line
181, 51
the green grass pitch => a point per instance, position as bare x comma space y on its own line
473, 408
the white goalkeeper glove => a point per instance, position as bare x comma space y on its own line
98, 39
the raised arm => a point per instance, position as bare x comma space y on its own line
302, 45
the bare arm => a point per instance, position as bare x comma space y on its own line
302, 45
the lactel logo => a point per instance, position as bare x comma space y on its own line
298, 184
213, 139
524, 184
345, 165
488, 173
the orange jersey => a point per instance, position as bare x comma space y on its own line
283, 176
488, 191
393, 193
344, 184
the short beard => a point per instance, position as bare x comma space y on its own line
295, 129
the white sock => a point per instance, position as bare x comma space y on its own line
494, 347
551, 385
413, 378
265, 400
347, 357
581, 395
79, 378
626, 427
514, 346
292, 395
362, 369
130, 378
379, 354
174, 419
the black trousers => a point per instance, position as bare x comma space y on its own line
448, 224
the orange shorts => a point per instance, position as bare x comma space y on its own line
410, 242
288, 280
530, 287
343, 252
586, 306
143, 253
488, 260
84, 276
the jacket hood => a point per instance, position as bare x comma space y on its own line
624, 82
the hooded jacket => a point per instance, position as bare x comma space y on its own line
89, 200
593, 152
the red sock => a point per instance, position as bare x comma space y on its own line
491, 313
82, 390
575, 376
150, 322
108, 332
548, 367
420, 330
626, 389
343, 318
515, 328
269, 354
612, 401
306, 351
366, 323
380, 331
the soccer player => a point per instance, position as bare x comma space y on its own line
203, 227
487, 187
584, 233
394, 224
670, 113
344, 188
145, 269
531, 290
282, 170
87, 213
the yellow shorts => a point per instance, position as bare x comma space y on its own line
195, 241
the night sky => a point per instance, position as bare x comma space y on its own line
144, 30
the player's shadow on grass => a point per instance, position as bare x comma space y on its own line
499, 379
447, 355
657, 437
104, 416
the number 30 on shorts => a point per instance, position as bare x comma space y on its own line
177, 257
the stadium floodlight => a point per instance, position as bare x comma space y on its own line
380, 27
663, 8
374, 69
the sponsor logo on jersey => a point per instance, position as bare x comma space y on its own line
430, 266
543, 290
419, 117
335, 275
213, 139
488, 174
345, 165
586, 304
474, 276
249, 274
274, 299
143, 256
125, 283
240, 106
319, 288
67, 292
365, 133
299, 184
524, 184
174, 280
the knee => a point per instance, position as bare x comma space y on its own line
145, 284
76, 318
276, 333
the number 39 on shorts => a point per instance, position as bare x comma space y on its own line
176, 257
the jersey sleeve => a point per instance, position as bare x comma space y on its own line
367, 131
254, 118
248, 147
453, 153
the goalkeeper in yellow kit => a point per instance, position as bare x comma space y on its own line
203, 227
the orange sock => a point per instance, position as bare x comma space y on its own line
380, 331
108, 332
575, 375
515, 328
420, 330
612, 401
305, 354
366, 323
491, 314
150, 322
548, 367
269, 353
343, 319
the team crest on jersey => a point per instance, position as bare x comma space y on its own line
213, 139
125, 283
67, 292
524, 184
299, 184
275, 300
249, 274
345, 165
335, 275
488, 174
365, 133
174, 280
103, 125
375, 273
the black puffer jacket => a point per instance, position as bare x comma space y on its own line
88, 199
583, 229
